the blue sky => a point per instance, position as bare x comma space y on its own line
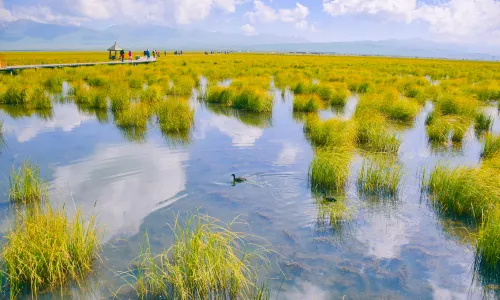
467, 21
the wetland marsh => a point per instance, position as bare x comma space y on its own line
367, 178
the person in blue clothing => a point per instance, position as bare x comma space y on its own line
148, 53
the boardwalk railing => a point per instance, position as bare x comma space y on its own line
141, 60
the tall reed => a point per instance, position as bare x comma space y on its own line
491, 145
439, 131
175, 115
207, 261
380, 175
135, 115
330, 133
482, 122
463, 191
488, 241
329, 169
306, 103
374, 135
252, 99
26, 185
45, 250
38, 98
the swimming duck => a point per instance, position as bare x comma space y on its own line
238, 179
329, 199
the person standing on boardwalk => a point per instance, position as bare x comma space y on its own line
122, 55
130, 55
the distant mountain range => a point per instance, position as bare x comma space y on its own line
406, 48
30, 35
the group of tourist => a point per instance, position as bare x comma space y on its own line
218, 52
122, 55
147, 54
155, 53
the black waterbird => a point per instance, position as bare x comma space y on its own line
329, 199
238, 179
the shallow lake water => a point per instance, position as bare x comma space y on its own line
391, 249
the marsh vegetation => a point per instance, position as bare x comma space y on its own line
408, 115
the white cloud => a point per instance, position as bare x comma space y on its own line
5, 15
302, 24
169, 12
266, 14
248, 29
44, 14
457, 17
298, 14
262, 13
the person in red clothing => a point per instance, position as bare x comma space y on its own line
130, 55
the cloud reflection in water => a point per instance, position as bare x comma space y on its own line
127, 181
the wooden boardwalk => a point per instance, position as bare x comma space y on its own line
141, 60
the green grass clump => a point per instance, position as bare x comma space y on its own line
183, 86
463, 191
245, 98
360, 88
26, 186
91, 97
488, 242
331, 133
403, 110
379, 176
14, 95
329, 169
303, 88
151, 95
253, 99
324, 92
339, 97
175, 116
53, 83
44, 250
306, 103
97, 81
135, 83
493, 162
374, 135
37, 98
491, 146
207, 261
438, 131
135, 116
457, 105
220, 95
482, 122
120, 99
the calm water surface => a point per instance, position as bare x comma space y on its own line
392, 249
